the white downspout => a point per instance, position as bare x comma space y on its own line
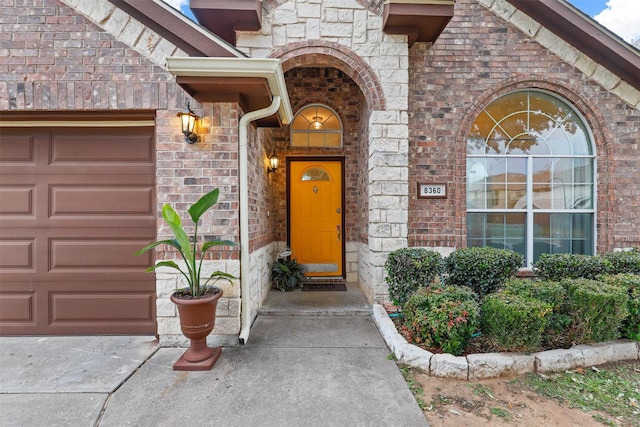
245, 267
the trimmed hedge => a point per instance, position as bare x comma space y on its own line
514, 322
630, 283
408, 270
442, 316
552, 293
623, 261
597, 309
483, 269
571, 266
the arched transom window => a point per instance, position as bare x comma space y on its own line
530, 177
316, 126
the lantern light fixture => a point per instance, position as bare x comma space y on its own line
274, 162
188, 121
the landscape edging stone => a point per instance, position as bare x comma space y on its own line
494, 365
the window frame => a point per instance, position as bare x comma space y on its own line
529, 210
310, 131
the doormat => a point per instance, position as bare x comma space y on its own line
324, 286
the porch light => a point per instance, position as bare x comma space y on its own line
188, 120
274, 162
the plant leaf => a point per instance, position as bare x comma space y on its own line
171, 264
173, 219
207, 245
203, 204
154, 244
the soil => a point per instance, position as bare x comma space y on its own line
495, 402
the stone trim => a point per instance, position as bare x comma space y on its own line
494, 365
126, 29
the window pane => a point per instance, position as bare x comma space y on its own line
516, 101
299, 139
315, 174
558, 142
476, 227
515, 124
563, 233
499, 230
580, 140
554, 108
481, 127
333, 139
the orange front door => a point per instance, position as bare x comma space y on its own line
316, 231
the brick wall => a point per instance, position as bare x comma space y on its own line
469, 66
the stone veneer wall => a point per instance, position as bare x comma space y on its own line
468, 67
55, 57
350, 37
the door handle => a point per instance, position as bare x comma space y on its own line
338, 228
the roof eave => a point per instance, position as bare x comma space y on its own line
586, 35
177, 28
240, 78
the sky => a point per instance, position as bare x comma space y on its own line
620, 16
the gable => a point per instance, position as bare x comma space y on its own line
578, 41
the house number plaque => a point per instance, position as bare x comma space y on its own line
435, 190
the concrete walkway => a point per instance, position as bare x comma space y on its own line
294, 371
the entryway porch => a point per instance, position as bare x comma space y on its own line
352, 302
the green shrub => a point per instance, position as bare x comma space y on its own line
597, 309
483, 269
408, 270
554, 294
623, 262
570, 266
442, 316
514, 322
631, 283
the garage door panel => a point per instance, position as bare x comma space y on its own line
113, 146
76, 307
17, 307
96, 255
17, 255
17, 200
60, 202
17, 147
88, 199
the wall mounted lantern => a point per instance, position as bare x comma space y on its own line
188, 120
274, 162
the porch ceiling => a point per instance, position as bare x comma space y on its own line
420, 20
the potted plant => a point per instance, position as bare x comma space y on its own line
197, 302
286, 273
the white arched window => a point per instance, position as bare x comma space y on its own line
531, 177
316, 126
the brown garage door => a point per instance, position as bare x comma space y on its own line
75, 204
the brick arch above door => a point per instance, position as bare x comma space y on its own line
319, 53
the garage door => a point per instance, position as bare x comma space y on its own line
75, 204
